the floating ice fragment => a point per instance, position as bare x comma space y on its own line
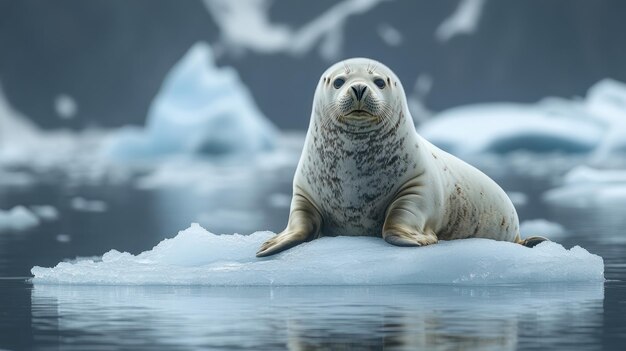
595, 124
542, 227
65, 106
584, 187
14, 127
63, 238
588, 175
45, 212
16, 178
81, 204
200, 109
19, 218
197, 257
506, 127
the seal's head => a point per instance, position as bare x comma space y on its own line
359, 95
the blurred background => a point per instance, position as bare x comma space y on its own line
122, 122
108, 58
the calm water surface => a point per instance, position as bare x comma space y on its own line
423, 317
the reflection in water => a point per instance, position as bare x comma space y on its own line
312, 318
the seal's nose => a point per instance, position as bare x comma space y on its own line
359, 90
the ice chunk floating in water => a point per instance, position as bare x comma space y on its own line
197, 257
505, 127
595, 124
200, 109
589, 187
19, 218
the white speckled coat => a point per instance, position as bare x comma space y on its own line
369, 173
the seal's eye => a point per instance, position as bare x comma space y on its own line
338, 83
379, 83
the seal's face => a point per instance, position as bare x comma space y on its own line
359, 95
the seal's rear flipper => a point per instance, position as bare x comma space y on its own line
532, 241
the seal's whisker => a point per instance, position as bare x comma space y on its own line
330, 113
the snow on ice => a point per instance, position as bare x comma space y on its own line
197, 257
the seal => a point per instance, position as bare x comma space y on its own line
364, 171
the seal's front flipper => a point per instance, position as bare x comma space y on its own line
404, 223
281, 242
304, 224
532, 241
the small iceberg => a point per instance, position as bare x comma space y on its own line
584, 186
15, 130
197, 257
200, 109
506, 127
17, 219
542, 227
594, 125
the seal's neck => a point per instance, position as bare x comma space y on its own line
352, 137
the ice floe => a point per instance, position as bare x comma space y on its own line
21, 218
65, 106
28, 153
595, 125
197, 257
506, 127
85, 205
200, 109
18, 218
584, 186
542, 227
45, 212
63, 238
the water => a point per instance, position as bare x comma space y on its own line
428, 317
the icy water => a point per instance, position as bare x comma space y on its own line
526, 317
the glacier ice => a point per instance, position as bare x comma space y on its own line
595, 125
200, 109
197, 257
